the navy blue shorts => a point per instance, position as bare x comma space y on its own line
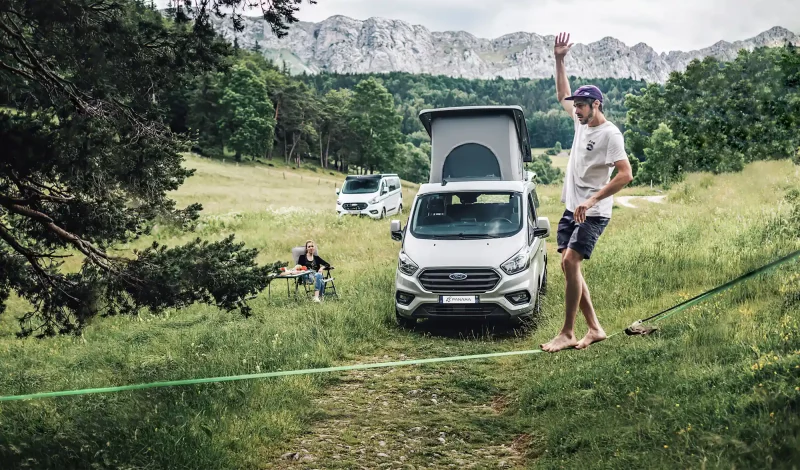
580, 237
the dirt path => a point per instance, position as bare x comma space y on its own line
626, 200
407, 418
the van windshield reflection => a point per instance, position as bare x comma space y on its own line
361, 186
467, 215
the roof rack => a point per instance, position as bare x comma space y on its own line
376, 175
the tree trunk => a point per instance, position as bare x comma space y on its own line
291, 152
285, 150
327, 150
321, 154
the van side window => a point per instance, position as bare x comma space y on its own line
535, 199
531, 219
392, 184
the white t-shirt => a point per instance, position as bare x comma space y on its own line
594, 152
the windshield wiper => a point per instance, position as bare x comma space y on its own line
463, 236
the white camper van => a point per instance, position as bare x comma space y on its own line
373, 196
474, 245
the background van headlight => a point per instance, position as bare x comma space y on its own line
517, 263
406, 265
338, 202
373, 200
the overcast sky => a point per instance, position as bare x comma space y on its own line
663, 24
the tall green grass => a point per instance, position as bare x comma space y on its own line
716, 387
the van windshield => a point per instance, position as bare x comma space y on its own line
471, 214
361, 186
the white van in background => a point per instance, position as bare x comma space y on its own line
374, 196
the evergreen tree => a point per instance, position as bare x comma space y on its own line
88, 161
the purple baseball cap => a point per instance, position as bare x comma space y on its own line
587, 91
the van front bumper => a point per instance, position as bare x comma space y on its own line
373, 211
412, 300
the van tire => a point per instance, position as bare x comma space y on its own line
403, 322
383, 213
543, 284
525, 322
537, 307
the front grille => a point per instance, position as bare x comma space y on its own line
461, 310
354, 206
477, 281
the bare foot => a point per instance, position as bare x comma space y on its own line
560, 342
592, 336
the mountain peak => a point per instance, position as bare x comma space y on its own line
342, 44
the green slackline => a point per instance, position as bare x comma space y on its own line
663, 314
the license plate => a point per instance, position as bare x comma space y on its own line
458, 299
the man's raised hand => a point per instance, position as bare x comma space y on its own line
562, 45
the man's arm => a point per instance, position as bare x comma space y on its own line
617, 158
560, 50
624, 176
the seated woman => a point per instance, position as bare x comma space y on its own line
313, 262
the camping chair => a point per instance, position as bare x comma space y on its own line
330, 287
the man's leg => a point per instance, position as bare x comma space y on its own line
570, 265
565, 233
587, 236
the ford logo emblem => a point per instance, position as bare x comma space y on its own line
458, 276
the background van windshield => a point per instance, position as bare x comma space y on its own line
361, 186
468, 214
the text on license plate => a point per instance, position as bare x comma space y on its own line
458, 299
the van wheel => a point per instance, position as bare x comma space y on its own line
543, 286
400, 209
524, 322
383, 213
404, 322
537, 307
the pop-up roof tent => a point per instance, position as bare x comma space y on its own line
477, 143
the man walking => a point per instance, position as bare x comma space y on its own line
598, 148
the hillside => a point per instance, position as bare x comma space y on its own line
341, 44
716, 386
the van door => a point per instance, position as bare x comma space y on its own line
388, 198
537, 254
399, 194
394, 194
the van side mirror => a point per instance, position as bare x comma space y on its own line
384, 191
542, 229
397, 230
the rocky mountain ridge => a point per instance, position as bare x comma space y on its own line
344, 45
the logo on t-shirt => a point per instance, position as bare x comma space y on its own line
590, 146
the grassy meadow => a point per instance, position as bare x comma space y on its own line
717, 386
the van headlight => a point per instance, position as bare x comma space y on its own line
373, 200
517, 263
406, 265
338, 202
